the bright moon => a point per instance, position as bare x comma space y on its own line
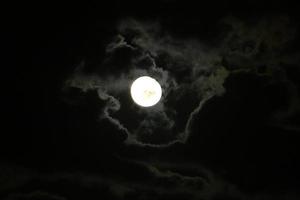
145, 91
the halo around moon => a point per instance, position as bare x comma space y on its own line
145, 91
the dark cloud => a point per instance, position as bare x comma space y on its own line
266, 47
227, 126
146, 45
200, 76
160, 180
188, 70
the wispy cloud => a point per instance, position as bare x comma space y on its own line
183, 67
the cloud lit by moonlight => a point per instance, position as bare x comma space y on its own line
165, 75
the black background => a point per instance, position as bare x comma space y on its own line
42, 43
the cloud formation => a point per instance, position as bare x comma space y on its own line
158, 181
186, 69
190, 72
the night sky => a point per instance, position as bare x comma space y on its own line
226, 128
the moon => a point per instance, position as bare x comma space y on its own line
145, 91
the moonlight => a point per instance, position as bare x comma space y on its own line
145, 91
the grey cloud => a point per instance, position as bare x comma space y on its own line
119, 42
185, 135
112, 105
190, 52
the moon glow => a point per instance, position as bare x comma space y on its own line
145, 91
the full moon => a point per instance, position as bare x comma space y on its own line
145, 91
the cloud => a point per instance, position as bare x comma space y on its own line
262, 45
148, 180
159, 184
190, 72
150, 52
266, 48
112, 105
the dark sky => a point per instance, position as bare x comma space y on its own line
227, 126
